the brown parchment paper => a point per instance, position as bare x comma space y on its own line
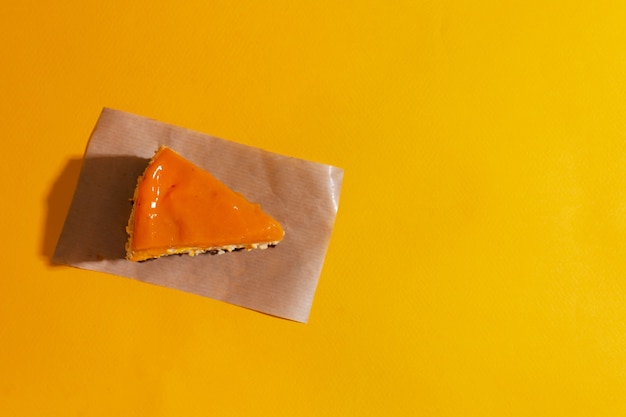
279, 281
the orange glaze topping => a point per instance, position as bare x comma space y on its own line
180, 208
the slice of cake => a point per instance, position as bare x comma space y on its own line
178, 208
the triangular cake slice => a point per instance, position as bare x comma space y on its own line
179, 208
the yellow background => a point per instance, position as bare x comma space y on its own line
477, 266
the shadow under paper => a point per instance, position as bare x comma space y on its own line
95, 226
58, 203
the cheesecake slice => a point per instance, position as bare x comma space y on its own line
179, 208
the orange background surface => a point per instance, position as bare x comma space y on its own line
477, 266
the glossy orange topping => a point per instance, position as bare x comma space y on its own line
180, 208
